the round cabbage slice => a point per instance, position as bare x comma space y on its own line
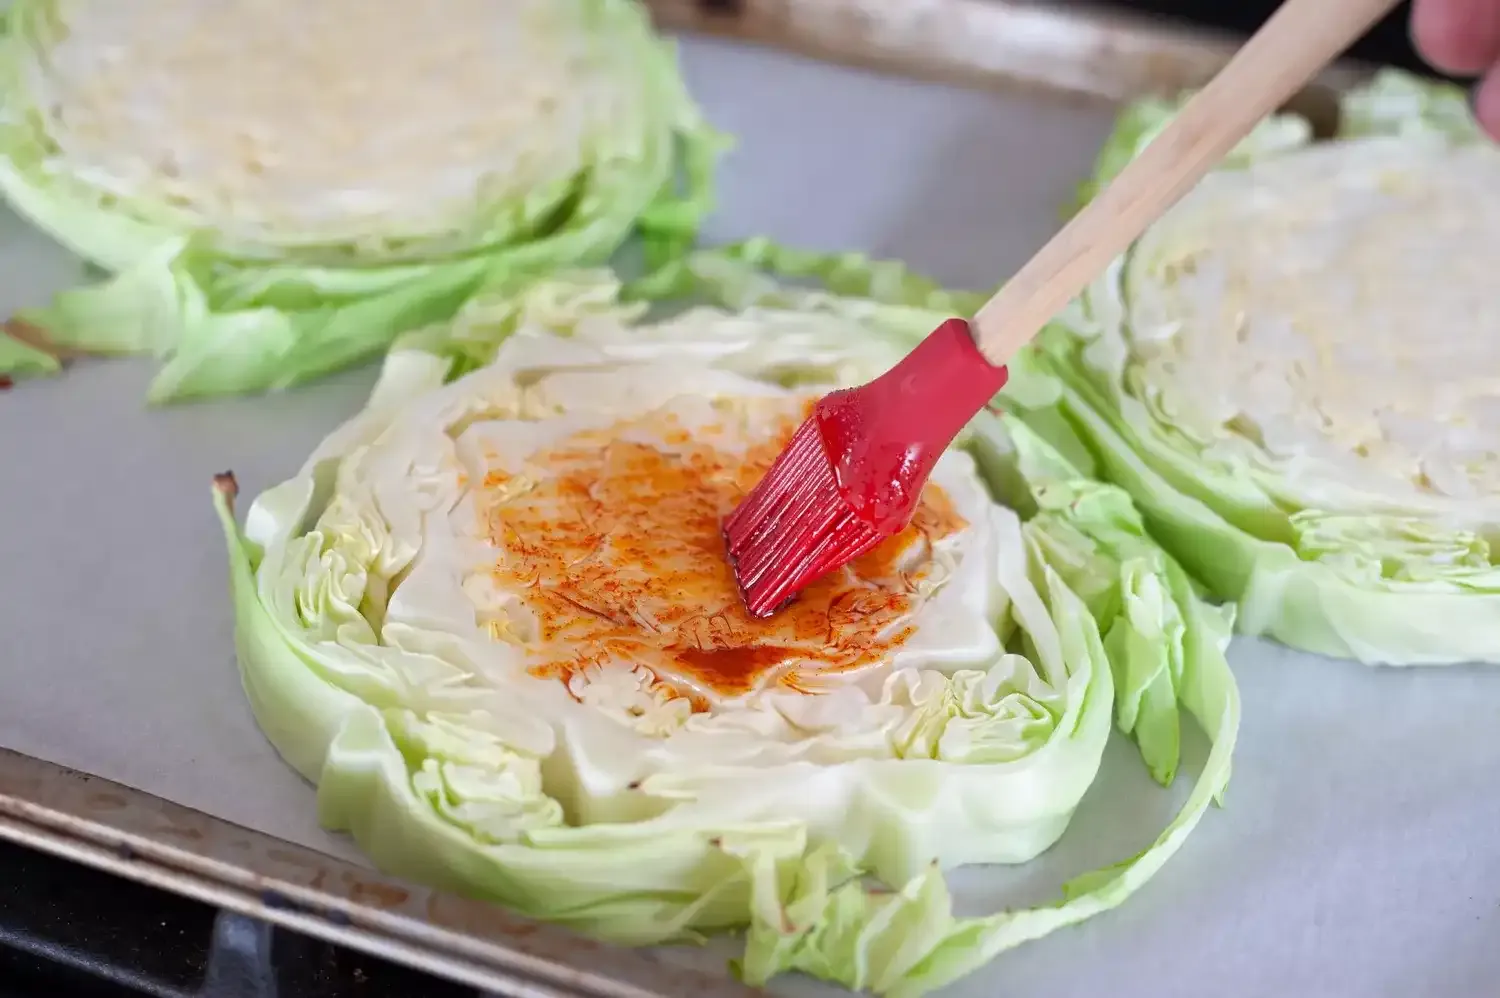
280, 188
491, 619
1294, 373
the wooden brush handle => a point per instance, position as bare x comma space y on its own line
1299, 40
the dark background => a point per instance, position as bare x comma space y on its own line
1387, 43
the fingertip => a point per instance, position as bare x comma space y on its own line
1457, 36
1431, 32
1487, 102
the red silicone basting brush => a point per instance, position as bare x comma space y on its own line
853, 473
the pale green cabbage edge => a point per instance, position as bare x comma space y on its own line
228, 324
1381, 589
1138, 646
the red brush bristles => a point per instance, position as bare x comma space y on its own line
853, 474
794, 526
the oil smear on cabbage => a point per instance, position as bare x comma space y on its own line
1294, 375
490, 620
275, 190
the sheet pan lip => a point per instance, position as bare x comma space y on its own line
1081, 50
132, 834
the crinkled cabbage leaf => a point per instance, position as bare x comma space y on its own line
379, 674
275, 191
1292, 375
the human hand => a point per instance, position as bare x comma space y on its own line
1462, 37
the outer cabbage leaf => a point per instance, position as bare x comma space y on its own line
1315, 555
235, 303
444, 776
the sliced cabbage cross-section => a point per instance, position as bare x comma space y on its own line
492, 621
277, 189
1296, 375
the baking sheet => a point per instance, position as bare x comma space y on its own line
1359, 853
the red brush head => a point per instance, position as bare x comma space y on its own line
853, 473
794, 527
